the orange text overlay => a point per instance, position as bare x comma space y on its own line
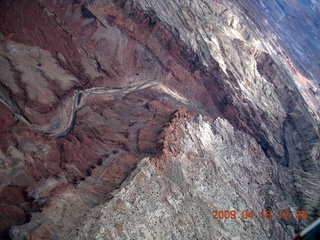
264, 214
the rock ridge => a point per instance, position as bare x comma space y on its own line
89, 88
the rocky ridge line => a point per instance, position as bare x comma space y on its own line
220, 70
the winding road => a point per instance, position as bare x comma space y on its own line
78, 98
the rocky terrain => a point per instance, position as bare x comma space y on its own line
293, 24
137, 119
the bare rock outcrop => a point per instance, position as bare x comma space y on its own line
111, 109
217, 168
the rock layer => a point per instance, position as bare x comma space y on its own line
90, 88
294, 25
216, 168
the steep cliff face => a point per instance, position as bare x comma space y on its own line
215, 168
194, 88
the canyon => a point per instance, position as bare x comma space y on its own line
135, 119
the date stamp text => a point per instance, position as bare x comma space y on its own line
264, 214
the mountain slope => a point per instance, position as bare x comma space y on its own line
105, 101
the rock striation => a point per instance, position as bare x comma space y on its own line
216, 167
292, 24
111, 109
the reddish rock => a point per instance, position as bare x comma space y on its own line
98, 85
14, 208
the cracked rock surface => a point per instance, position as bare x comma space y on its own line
217, 168
137, 119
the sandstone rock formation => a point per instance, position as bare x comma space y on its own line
217, 168
136, 119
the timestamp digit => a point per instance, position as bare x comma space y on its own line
214, 214
233, 214
251, 214
304, 214
301, 214
244, 214
221, 214
266, 214
284, 214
